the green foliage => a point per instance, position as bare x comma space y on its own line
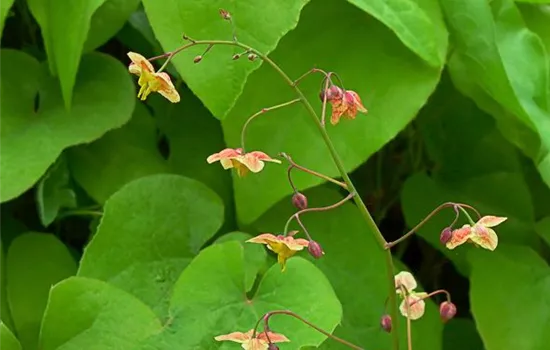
7, 340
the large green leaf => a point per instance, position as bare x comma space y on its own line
543, 229
35, 262
210, 299
421, 194
120, 156
218, 80
418, 24
32, 139
504, 68
509, 291
5, 313
107, 20
5, 7
150, 230
355, 266
64, 25
7, 340
94, 315
460, 334
392, 81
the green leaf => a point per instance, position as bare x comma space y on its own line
418, 24
543, 229
7, 340
5, 7
218, 80
509, 291
94, 315
53, 192
102, 171
537, 19
32, 140
421, 194
210, 299
254, 256
382, 72
150, 230
107, 20
5, 313
35, 262
460, 334
504, 68
64, 47
355, 266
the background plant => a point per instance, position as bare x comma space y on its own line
457, 93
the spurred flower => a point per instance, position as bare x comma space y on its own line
481, 234
258, 342
405, 280
284, 246
346, 107
242, 162
149, 81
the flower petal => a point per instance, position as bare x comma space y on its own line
459, 236
491, 221
405, 279
167, 89
255, 344
264, 238
295, 244
227, 153
357, 101
274, 337
238, 337
254, 164
140, 62
263, 157
485, 237
416, 307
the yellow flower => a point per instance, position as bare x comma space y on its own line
242, 162
259, 342
416, 306
284, 246
346, 107
481, 234
150, 81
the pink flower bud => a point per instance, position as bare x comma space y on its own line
197, 59
315, 249
225, 14
252, 57
299, 200
447, 310
333, 93
385, 323
446, 235
272, 347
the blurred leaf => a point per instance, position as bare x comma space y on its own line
35, 262
355, 266
158, 223
117, 158
543, 229
107, 20
53, 192
64, 25
509, 291
94, 315
5, 314
460, 334
392, 81
218, 81
418, 24
421, 194
254, 256
5, 7
504, 68
32, 140
210, 299
7, 340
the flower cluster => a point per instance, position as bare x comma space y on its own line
479, 233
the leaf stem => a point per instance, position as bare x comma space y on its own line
311, 172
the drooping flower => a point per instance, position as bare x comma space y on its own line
242, 162
259, 342
405, 284
481, 233
283, 246
346, 107
150, 81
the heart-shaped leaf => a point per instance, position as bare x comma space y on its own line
32, 138
94, 315
218, 80
34, 263
150, 230
390, 79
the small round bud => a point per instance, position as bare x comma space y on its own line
332, 93
299, 200
385, 323
225, 14
447, 310
315, 249
272, 347
236, 56
197, 59
252, 57
446, 235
